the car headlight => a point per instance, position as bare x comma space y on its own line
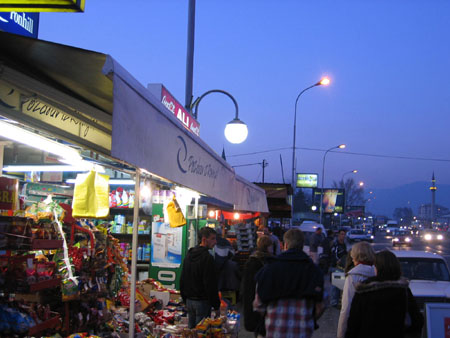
395, 239
440, 237
388, 230
428, 237
371, 237
407, 239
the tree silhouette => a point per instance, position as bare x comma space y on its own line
403, 215
354, 194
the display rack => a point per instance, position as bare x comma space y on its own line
13, 256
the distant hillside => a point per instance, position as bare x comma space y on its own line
409, 195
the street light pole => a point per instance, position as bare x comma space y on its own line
323, 82
345, 196
341, 146
236, 130
348, 172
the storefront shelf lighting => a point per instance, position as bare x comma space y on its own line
36, 141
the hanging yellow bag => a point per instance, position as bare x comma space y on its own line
176, 217
91, 196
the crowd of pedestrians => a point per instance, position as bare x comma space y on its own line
282, 288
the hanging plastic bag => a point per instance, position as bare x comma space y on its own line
176, 217
91, 196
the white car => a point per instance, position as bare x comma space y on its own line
357, 235
428, 275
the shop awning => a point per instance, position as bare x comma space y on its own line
144, 133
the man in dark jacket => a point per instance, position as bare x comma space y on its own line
338, 256
290, 289
198, 283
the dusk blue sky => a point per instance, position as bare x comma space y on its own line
389, 63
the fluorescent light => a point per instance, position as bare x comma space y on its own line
36, 141
111, 182
45, 168
80, 166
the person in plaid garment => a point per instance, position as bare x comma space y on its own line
290, 290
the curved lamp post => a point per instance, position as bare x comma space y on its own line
323, 82
236, 131
341, 146
348, 172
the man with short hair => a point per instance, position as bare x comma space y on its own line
290, 289
338, 255
316, 241
198, 283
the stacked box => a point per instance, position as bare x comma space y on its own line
246, 237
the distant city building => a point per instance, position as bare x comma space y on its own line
425, 211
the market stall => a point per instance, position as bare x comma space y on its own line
90, 105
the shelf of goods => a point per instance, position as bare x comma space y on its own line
26, 275
246, 237
62, 276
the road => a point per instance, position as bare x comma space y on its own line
443, 249
328, 322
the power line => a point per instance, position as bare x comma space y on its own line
348, 153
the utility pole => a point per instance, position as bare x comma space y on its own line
264, 164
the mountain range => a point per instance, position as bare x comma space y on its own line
384, 201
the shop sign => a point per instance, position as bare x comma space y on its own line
44, 112
9, 189
26, 24
179, 111
190, 163
42, 5
55, 117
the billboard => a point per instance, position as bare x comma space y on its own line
333, 200
306, 181
42, 5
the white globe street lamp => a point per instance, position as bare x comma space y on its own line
236, 131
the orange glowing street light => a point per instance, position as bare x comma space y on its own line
325, 81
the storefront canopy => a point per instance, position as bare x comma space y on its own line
143, 133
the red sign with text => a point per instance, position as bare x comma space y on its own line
9, 189
180, 112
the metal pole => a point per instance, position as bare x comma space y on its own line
197, 101
263, 166
190, 56
323, 179
293, 149
134, 252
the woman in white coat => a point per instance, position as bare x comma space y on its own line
363, 257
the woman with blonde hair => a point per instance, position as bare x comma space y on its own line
363, 257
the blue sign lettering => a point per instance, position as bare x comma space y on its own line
26, 24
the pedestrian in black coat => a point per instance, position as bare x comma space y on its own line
384, 303
254, 321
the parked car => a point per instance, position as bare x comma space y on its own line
428, 275
356, 235
401, 237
